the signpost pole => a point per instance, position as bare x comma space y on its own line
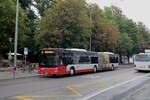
25, 53
25, 60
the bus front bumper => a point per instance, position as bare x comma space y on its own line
47, 71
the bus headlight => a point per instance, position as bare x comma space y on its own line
56, 70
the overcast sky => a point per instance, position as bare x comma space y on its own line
138, 10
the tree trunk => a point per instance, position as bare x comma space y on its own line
1, 58
128, 59
120, 58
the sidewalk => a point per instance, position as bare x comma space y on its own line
3, 69
5, 75
126, 65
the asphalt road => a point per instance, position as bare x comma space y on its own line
121, 84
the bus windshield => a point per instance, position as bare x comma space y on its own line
48, 61
142, 58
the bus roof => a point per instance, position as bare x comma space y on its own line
106, 52
69, 49
76, 49
49, 48
143, 54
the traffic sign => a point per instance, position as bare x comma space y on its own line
25, 51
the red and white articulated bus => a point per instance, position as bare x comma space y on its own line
58, 61
109, 60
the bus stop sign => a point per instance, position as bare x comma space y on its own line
25, 51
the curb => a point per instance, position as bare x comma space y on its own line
3, 70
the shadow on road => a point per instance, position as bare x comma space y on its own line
141, 71
67, 76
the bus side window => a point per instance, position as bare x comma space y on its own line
66, 59
94, 60
84, 59
117, 60
111, 60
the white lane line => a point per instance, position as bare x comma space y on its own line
104, 90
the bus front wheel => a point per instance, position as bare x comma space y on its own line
72, 71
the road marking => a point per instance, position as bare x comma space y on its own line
49, 96
23, 98
89, 96
52, 96
74, 90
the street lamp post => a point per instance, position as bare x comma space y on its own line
91, 30
16, 36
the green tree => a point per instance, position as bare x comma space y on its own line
95, 15
106, 37
134, 34
144, 32
109, 16
25, 4
105, 34
66, 24
125, 46
28, 5
7, 25
42, 5
128, 26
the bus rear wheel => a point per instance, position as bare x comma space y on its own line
94, 69
112, 68
72, 71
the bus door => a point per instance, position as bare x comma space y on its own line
65, 60
95, 61
99, 63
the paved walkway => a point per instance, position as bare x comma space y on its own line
5, 74
126, 65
